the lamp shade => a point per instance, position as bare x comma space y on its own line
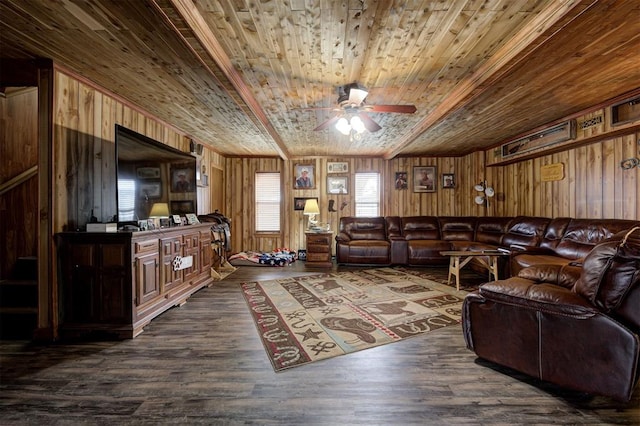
311, 207
159, 210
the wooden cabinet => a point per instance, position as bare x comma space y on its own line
319, 249
118, 282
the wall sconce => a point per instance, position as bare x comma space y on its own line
311, 209
486, 193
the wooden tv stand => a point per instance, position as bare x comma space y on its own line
116, 283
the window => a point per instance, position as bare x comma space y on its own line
267, 198
126, 199
367, 194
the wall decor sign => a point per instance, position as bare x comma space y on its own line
552, 172
337, 185
424, 179
337, 167
304, 175
148, 172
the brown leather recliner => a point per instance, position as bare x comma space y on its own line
577, 327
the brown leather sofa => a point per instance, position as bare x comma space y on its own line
577, 327
418, 240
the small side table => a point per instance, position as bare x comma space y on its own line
319, 249
458, 259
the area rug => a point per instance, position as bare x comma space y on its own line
311, 318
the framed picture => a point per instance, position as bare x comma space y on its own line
339, 167
424, 179
337, 185
402, 180
298, 202
182, 207
150, 189
448, 180
304, 175
148, 172
182, 178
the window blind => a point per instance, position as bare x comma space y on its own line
367, 194
267, 198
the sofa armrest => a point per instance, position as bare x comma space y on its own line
343, 237
544, 297
562, 275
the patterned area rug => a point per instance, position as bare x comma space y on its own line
306, 319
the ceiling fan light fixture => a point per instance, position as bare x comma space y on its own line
357, 124
342, 125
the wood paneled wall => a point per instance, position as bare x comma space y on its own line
19, 152
594, 186
84, 156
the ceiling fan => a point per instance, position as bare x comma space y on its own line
352, 117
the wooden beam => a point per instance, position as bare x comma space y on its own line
503, 60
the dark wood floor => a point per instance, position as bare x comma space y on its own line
204, 363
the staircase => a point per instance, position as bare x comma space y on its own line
19, 301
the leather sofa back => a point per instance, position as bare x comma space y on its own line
525, 231
610, 272
364, 228
420, 228
490, 229
581, 235
554, 233
453, 228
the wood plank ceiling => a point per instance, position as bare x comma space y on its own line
244, 76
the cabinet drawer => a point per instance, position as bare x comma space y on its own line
145, 246
318, 239
318, 257
318, 248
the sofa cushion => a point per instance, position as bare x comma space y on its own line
525, 231
457, 228
610, 271
364, 228
582, 235
554, 232
427, 252
489, 230
420, 228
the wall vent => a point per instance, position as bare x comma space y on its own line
591, 122
544, 138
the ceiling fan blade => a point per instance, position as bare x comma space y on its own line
402, 109
326, 124
369, 124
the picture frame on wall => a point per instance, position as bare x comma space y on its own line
424, 179
182, 178
299, 202
304, 176
182, 207
337, 185
448, 180
150, 189
337, 167
402, 180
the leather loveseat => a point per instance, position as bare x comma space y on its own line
418, 240
577, 327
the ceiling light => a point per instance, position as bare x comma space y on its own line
354, 124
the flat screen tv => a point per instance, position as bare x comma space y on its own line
150, 172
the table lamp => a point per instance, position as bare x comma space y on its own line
159, 210
311, 209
